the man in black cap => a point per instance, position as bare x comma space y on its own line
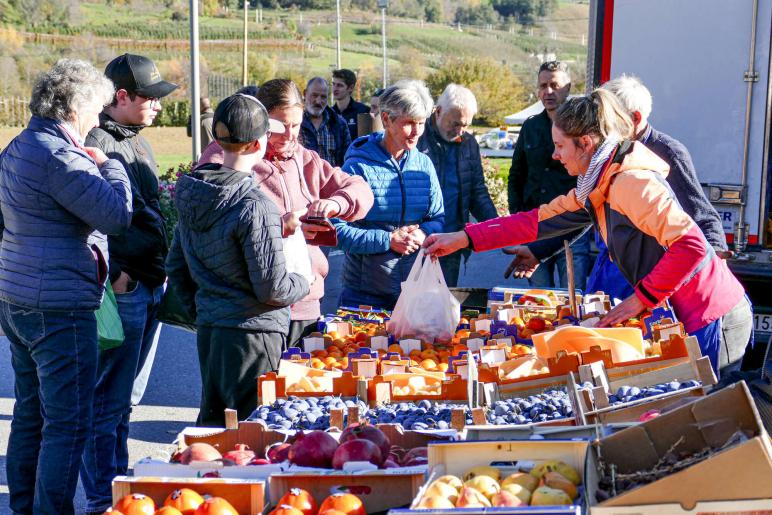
136, 260
228, 261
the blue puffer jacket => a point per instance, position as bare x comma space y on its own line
53, 199
405, 193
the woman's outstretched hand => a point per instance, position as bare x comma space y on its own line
442, 244
629, 308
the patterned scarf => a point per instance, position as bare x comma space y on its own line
585, 183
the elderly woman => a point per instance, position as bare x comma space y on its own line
298, 181
55, 194
621, 190
408, 201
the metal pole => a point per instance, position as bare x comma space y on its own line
385, 60
337, 26
246, 36
195, 90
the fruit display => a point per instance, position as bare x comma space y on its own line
303, 413
183, 501
548, 483
550, 405
625, 393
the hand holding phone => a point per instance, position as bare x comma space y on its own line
319, 231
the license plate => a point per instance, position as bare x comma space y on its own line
762, 323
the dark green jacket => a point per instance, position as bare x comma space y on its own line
535, 178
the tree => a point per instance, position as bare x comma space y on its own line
480, 15
499, 92
521, 10
433, 10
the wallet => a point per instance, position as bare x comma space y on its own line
322, 238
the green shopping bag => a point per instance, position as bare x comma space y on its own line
109, 327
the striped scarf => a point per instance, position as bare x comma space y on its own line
585, 183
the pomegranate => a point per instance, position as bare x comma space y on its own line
241, 455
357, 450
259, 461
367, 432
196, 452
278, 452
390, 464
418, 452
314, 449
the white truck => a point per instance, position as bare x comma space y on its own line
707, 64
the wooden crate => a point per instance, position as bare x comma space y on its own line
592, 406
379, 491
247, 497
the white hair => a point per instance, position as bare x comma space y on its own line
67, 88
457, 97
409, 98
632, 94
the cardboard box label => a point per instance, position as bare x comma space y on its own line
482, 325
474, 344
379, 342
410, 344
312, 343
492, 356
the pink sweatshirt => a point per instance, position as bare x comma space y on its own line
281, 180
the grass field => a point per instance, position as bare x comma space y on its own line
170, 144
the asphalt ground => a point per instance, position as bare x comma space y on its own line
171, 400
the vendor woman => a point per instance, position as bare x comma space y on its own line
621, 191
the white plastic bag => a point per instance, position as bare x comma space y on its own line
296, 257
425, 308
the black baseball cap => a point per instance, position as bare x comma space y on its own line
242, 118
138, 74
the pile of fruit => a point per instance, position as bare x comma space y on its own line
299, 502
549, 483
183, 501
303, 413
318, 449
633, 393
417, 416
550, 405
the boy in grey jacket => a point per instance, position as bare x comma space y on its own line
227, 263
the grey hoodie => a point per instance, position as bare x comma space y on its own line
226, 258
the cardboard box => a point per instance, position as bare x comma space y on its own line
457, 457
540, 431
247, 497
379, 490
739, 472
592, 406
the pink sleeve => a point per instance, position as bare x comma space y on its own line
351, 192
504, 231
683, 258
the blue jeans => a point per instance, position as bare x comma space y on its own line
543, 277
107, 454
54, 359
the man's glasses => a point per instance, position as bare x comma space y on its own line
153, 100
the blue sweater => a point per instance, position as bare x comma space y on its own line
405, 193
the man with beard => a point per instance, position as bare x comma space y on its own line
323, 130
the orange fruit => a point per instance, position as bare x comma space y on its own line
428, 364
442, 367
345, 503
136, 504
300, 500
394, 347
334, 335
184, 500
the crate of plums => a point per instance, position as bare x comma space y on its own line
709, 456
516, 476
599, 399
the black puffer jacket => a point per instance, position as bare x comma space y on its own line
141, 249
226, 258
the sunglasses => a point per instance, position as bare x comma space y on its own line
153, 100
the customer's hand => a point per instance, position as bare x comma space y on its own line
121, 285
402, 242
442, 244
325, 208
524, 263
290, 222
629, 308
310, 230
96, 154
415, 234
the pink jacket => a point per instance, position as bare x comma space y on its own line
282, 181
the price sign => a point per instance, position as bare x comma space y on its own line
474, 344
409, 345
379, 342
482, 324
312, 343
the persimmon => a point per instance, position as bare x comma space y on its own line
136, 504
348, 504
185, 500
301, 500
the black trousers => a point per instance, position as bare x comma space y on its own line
298, 330
231, 360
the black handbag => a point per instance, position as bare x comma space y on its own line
172, 311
